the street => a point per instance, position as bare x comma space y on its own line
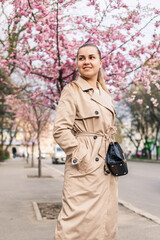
20, 188
141, 187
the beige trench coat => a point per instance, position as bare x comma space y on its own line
82, 127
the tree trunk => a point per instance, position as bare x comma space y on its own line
32, 160
27, 157
2, 126
39, 158
150, 153
156, 140
157, 152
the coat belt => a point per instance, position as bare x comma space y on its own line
106, 139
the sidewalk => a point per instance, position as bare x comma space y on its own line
17, 216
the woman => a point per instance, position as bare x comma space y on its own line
83, 127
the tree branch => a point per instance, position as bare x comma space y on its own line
32, 12
135, 34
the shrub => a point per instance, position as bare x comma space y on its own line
3, 155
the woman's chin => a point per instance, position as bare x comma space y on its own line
87, 75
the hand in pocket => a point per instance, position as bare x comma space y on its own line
83, 166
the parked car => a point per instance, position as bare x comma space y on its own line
58, 155
43, 155
137, 154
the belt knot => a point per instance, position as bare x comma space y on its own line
108, 135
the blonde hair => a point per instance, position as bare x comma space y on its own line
101, 80
100, 77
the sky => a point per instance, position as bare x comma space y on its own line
81, 10
152, 3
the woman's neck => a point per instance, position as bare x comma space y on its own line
92, 82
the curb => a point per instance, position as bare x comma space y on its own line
127, 205
143, 160
37, 212
139, 211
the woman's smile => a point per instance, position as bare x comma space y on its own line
87, 68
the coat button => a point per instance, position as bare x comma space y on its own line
74, 161
95, 137
97, 159
96, 112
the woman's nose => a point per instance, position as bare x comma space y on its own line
86, 61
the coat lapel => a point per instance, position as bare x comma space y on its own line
84, 85
103, 98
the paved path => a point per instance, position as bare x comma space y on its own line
17, 216
141, 186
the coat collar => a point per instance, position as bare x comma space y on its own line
84, 85
103, 98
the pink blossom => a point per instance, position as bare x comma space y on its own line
140, 101
46, 49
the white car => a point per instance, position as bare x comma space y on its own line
58, 155
43, 155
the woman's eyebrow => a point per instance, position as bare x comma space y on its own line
92, 54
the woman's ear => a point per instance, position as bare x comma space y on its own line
101, 62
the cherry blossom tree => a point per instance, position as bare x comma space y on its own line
8, 123
29, 136
33, 119
145, 120
40, 40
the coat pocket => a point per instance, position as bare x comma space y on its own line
85, 113
82, 167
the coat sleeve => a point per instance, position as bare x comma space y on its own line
63, 124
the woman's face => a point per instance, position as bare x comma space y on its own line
88, 62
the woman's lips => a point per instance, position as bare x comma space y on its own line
87, 68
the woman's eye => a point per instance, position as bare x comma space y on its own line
81, 58
91, 57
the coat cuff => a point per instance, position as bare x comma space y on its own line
79, 154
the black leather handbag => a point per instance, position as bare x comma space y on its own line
116, 161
